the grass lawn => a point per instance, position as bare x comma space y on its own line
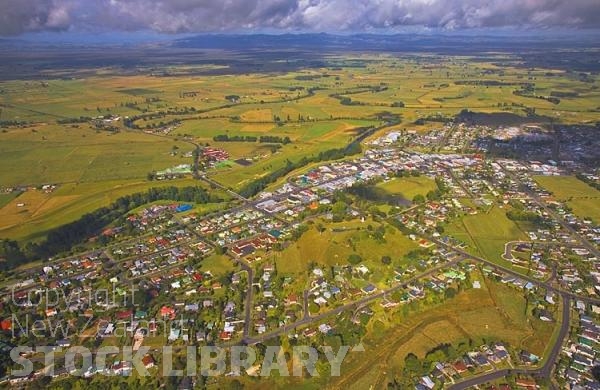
408, 187
586, 208
217, 264
565, 187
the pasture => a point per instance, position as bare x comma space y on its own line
487, 232
42, 212
337, 241
53, 154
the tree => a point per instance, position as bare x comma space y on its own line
354, 259
412, 363
450, 292
386, 260
419, 199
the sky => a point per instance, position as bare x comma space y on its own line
19, 17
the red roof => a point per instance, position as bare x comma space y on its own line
167, 312
460, 367
123, 315
148, 360
6, 324
225, 336
197, 277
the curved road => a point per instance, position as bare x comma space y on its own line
545, 371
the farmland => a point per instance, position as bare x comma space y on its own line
43, 211
318, 108
319, 259
53, 154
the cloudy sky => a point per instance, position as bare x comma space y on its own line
185, 16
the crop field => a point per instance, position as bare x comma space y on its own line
582, 198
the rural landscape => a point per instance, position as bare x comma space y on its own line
425, 207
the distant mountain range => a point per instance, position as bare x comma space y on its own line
398, 42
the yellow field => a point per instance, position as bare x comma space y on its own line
45, 211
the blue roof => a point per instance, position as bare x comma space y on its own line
183, 207
369, 288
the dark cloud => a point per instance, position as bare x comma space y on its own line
18, 16
173, 16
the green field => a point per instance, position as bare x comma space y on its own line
51, 154
43, 212
487, 232
7, 198
408, 187
338, 241
565, 187
583, 199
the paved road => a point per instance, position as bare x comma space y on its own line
361, 302
553, 214
514, 273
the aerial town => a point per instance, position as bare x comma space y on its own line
219, 277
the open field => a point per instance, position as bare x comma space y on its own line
218, 265
487, 232
338, 241
42, 212
586, 207
408, 187
583, 199
49, 154
7, 198
566, 187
